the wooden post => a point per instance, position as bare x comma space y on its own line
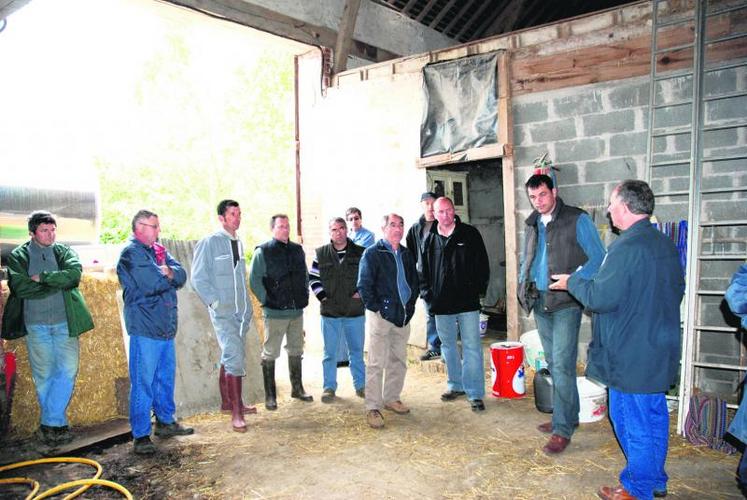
345, 34
505, 137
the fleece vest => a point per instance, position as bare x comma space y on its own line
340, 279
285, 275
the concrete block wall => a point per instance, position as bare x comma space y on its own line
597, 135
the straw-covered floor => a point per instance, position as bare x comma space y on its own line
440, 450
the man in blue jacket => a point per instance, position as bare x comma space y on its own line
388, 284
736, 297
149, 277
635, 348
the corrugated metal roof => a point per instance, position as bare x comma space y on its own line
468, 20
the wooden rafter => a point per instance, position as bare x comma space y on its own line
500, 23
345, 34
469, 24
441, 14
465, 8
426, 9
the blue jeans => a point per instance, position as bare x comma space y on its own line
152, 373
342, 351
53, 355
336, 331
431, 332
558, 333
468, 373
641, 424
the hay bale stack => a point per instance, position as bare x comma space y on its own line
102, 383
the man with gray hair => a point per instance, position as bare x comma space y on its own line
333, 278
388, 284
635, 300
150, 277
47, 308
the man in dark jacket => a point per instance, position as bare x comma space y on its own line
149, 277
455, 274
46, 306
635, 346
415, 237
559, 239
388, 284
280, 280
333, 279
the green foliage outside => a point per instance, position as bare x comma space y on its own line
194, 144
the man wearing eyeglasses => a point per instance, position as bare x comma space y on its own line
149, 277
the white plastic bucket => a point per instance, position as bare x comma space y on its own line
534, 356
593, 400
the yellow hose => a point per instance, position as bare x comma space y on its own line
23, 480
83, 483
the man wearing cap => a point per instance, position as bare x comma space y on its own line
415, 237
559, 239
47, 308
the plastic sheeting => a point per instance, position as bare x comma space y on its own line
461, 105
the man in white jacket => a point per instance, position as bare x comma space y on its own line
219, 278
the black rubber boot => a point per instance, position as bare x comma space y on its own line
294, 366
268, 374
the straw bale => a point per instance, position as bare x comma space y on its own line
102, 364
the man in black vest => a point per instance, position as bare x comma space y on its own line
560, 239
333, 279
280, 280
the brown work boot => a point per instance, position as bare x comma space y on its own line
545, 428
397, 407
614, 493
375, 419
556, 444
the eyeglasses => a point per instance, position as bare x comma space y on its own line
154, 226
354, 217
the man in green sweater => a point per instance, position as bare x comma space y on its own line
47, 308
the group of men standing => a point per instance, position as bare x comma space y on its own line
633, 292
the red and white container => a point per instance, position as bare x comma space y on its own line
507, 369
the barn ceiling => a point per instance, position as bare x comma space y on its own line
468, 20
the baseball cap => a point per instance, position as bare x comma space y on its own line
427, 195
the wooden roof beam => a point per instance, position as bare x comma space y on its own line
274, 23
426, 8
470, 22
345, 34
441, 15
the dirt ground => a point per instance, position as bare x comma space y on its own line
440, 450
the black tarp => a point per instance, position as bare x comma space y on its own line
461, 105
